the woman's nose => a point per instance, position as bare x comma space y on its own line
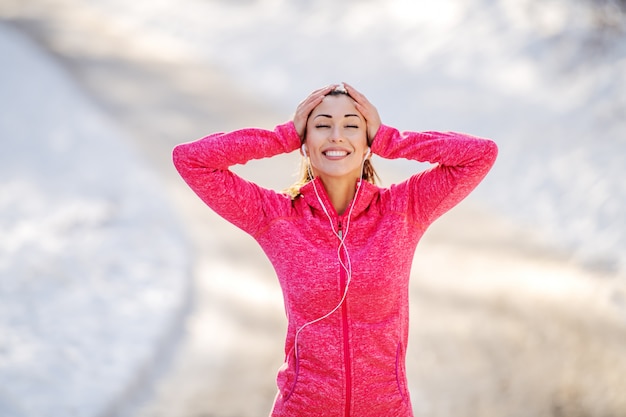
335, 135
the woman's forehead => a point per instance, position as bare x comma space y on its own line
337, 105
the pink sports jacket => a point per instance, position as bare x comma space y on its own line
351, 363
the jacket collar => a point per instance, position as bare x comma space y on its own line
364, 197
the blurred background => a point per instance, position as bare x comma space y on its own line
122, 295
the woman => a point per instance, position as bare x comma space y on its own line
341, 246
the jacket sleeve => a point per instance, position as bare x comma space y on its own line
204, 165
461, 162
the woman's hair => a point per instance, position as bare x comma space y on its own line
369, 173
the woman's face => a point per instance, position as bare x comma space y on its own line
336, 138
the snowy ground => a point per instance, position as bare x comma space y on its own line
93, 271
84, 301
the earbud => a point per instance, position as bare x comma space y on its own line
303, 150
368, 153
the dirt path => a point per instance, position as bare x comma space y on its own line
501, 324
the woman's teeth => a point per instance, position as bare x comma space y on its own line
335, 153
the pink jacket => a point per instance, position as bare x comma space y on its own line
351, 363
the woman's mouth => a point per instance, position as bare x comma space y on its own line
335, 154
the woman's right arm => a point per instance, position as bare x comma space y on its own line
204, 165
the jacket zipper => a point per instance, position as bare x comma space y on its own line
344, 319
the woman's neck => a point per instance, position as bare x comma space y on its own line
340, 192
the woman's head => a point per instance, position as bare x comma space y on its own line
335, 142
339, 92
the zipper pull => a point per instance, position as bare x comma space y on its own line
339, 230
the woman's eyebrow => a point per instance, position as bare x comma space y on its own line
330, 117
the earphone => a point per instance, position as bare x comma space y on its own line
347, 265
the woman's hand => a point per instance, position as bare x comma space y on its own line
307, 105
368, 111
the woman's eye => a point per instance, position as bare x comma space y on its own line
321, 126
352, 126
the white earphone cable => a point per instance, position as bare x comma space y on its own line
347, 265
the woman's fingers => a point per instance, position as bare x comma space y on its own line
367, 109
307, 105
317, 96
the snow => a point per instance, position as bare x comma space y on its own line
92, 264
542, 78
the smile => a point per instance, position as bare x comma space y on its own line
336, 154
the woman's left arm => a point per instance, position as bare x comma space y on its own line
462, 161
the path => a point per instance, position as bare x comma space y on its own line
502, 325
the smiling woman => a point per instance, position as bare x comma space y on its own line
342, 247
335, 145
